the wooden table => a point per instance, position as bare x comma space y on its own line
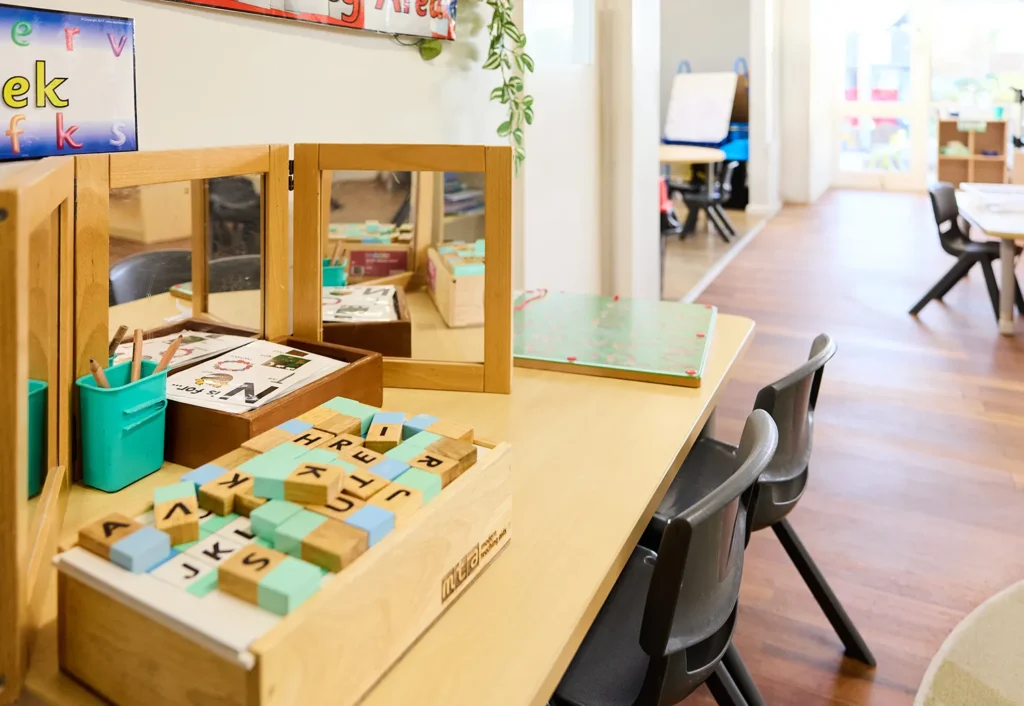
1008, 227
689, 154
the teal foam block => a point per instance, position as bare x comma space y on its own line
321, 456
427, 483
375, 521
404, 452
417, 424
203, 534
445, 249
204, 474
288, 585
141, 550
269, 470
174, 492
213, 523
268, 517
423, 439
352, 408
259, 541
290, 533
203, 585
475, 268
388, 468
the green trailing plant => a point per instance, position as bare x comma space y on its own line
506, 53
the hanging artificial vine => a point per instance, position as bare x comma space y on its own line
505, 53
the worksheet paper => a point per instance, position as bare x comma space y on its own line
195, 346
249, 377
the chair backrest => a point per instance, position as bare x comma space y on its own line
947, 217
726, 185
791, 401
234, 274
148, 273
696, 581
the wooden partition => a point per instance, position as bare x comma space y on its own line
98, 174
313, 166
36, 245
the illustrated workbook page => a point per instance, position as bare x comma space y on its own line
356, 304
249, 377
195, 345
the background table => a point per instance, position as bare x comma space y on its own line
687, 154
1008, 227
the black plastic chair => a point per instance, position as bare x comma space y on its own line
696, 197
955, 240
791, 402
235, 214
148, 273
234, 274
667, 625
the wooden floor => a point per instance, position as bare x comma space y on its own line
689, 259
912, 510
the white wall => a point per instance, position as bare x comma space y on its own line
764, 167
710, 34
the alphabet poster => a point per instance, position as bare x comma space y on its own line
67, 84
419, 18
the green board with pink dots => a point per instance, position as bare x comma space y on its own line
631, 339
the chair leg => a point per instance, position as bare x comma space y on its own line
990, 282
964, 264
723, 688
744, 682
713, 218
944, 284
691, 221
856, 648
724, 218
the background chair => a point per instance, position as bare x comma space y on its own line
791, 402
668, 622
234, 274
696, 197
953, 236
235, 214
148, 273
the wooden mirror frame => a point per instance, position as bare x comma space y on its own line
31, 195
98, 174
313, 166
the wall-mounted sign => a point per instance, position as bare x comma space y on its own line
420, 18
67, 83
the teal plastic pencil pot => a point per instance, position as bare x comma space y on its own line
123, 427
334, 276
36, 436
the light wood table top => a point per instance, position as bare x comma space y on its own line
433, 340
689, 154
233, 308
582, 498
1008, 225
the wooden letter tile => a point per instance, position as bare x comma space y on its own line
340, 424
268, 440
233, 459
334, 545
400, 500
178, 518
240, 575
383, 437
343, 443
313, 437
339, 507
219, 495
452, 430
463, 453
101, 535
313, 484
362, 457
363, 484
437, 464
246, 502
317, 415
215, 549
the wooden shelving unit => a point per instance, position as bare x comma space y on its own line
975, 167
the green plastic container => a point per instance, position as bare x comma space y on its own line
334, 276
123, 427
36, 436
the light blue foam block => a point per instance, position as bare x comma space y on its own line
389, 418
388, 468
141, 550
376, 521
417, 424
174, 492
295, 426
204, 474
423, 439
404, 452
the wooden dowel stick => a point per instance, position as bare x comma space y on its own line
165, 359
137, 356
98, 375
336, 255
116, 340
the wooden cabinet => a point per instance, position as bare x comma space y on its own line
976, 167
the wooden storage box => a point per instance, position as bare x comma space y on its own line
331, 650
460, 300
201, 325
196, 435
389, 338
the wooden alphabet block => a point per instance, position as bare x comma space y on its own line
341, 424
267, 518
400, 500
424, 481
423, 439
416, 424
141, 550
342, 443
463, 453
405, 452
317, 415
451, 430
338, 508
268, 440
288, 585
240, 575
362, 457
313, 438
233, 459
203, 475
388, 468
363, 484
246, 502
220, 494
313, 484
334, 545
388, 418
352, 408
375, 521
290, 533
383, 437
178, 518
437, 464
101, 535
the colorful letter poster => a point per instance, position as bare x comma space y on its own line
419, 18
67, 84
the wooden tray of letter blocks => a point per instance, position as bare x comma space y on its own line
293, 571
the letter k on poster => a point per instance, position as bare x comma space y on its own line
67, 84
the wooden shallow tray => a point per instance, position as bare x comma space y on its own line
196, 435
331, 650
201, 325
389, 338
